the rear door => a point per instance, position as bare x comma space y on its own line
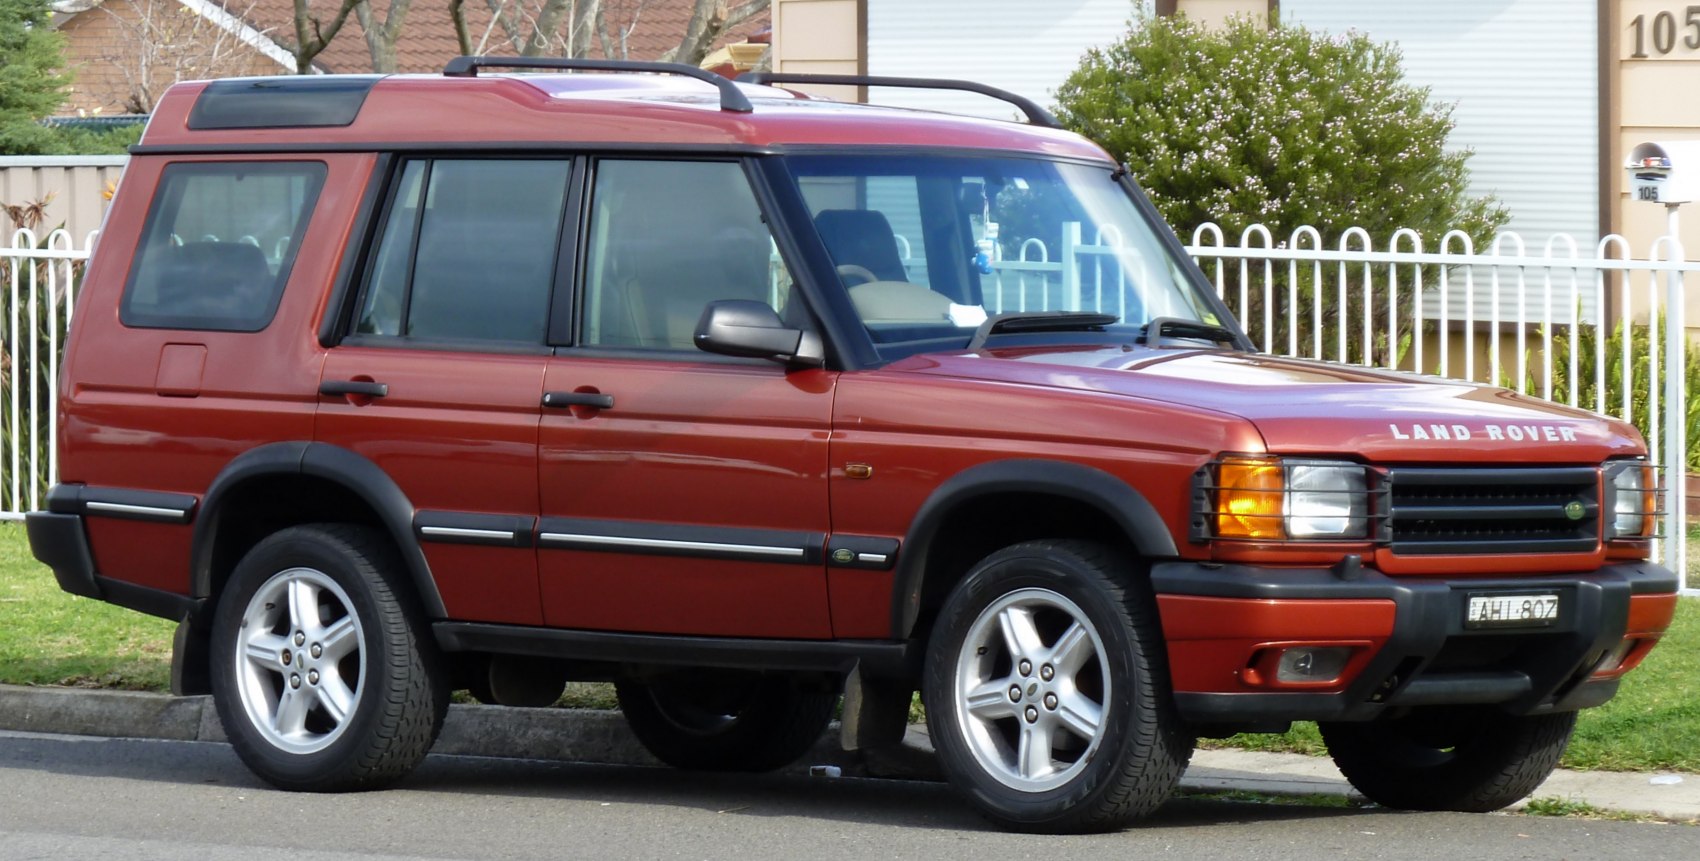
682, 492
440, 377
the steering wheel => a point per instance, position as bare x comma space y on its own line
851, 270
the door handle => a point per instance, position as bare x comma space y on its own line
578, 399
354, 387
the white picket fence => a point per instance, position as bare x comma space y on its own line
1501, 316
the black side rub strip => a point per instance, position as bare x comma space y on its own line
666, 539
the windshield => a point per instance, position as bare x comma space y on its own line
929, 246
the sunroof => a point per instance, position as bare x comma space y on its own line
280, 102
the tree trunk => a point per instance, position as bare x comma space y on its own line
311, 37
710, 19
381, 38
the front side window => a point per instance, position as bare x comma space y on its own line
667, 238
928, 247
468, 252
219, 243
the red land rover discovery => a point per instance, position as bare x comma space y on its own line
388, 386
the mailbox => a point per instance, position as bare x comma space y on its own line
1665, 172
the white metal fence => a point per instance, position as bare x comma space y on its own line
39, 277
1531, 322
1535, 323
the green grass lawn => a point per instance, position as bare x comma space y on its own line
50, 638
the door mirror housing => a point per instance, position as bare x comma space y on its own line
743, 327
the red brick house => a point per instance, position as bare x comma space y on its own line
124, 53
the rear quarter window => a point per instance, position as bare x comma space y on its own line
218, 244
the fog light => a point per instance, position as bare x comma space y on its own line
1311, 664
1613, 659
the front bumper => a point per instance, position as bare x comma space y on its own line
1409, 646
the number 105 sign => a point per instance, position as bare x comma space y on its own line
1660, 32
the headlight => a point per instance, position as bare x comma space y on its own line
1631, 490
1326, 500
1273, 499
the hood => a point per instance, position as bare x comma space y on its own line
1308, 407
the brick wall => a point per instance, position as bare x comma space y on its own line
125, 53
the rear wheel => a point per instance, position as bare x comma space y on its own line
322, 671
1047, 691
723, 720
1464, 759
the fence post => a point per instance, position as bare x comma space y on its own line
1071, 263
1676, 420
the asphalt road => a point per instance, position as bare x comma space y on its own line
77, 797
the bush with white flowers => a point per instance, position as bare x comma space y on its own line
1280, 125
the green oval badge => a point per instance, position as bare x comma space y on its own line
1574, 510
843, 556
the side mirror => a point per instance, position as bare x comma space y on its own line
741, 327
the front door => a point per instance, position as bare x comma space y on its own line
682, 492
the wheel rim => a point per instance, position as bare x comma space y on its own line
299, 660
1032, 690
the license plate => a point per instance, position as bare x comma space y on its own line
1511, 611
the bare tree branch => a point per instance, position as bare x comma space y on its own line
543, 31
602, 33
381, 37
582, 28
306, 47
167, 42
710, 19
462, 38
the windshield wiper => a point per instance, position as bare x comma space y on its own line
1040, 321
1176, 327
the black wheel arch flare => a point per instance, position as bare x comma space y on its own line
1121, 503
361, 477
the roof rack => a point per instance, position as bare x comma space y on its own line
1036, 115
731, 98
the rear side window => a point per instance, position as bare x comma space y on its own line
468, 252
219, 243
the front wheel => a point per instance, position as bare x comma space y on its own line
1465, 759
1047, 691
323, 672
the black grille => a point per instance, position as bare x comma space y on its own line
1551, 510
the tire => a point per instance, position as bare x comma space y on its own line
725, 720
349, 694
1047, 642
1464, 759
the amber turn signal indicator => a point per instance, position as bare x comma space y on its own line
1249, 498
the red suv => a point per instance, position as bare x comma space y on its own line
743, 400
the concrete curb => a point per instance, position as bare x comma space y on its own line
576, 735
572, 735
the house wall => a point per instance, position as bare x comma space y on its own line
123, 54
1525, 78
819, 37
1653, 100
1025, 47
1217, 11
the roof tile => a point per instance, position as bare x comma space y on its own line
651, 27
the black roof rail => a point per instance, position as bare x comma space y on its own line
731, 98
1036, 115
